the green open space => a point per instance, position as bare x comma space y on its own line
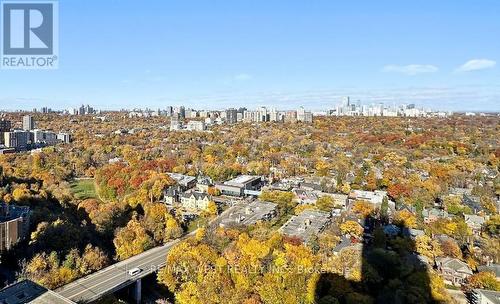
84, 189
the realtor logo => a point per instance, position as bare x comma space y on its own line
29, 34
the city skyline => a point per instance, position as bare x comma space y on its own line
218, 55
85, 109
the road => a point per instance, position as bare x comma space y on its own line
115, 277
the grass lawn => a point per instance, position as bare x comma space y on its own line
197, 223
84, 189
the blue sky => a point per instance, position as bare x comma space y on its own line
215, 54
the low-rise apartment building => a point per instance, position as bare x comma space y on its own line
14, 225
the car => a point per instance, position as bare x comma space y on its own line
134, 271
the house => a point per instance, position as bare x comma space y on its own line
280, 186
346, 242
185, 181
409, 208
483, 296
460, 191
495, 268
203, 184
391, 230
339, 199
453, 270
473, 202
412, 233
171, 195
305, 197
475, 222
310, 186
195, 200
375, 197
417, 260
469, 200
431, 215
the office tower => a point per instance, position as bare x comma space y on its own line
182, 113
169, 110
301, 114
28, 123
273, 115
263, 115
89, 110
175, 123
231, 116
346, 101
308, 117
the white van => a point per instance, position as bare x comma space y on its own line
134, 271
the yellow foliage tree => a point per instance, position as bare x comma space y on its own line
351, 227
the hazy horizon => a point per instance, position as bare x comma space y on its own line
285, 54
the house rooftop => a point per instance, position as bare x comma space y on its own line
181, 178
454, 264
491, 295
346, 242
495, 268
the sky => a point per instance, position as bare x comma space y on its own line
117, 54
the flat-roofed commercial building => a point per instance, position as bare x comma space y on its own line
307, 224
238, 185
250, 214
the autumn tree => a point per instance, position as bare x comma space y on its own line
483, 280
325, 203
363, 208
405, 218
351, 227
131, 240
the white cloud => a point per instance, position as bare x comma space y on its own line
243, 76
476, 65
411, 69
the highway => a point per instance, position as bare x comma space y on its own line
115, 277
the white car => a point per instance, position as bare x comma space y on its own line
134, 271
